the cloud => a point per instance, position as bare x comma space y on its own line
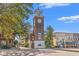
69, 19
50, 5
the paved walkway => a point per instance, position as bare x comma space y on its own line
40, 52
61, 52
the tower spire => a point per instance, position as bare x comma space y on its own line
38, 11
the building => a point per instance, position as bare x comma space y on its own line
6, 43
76, 39
67, 40
37, 37
54, 44
59, 36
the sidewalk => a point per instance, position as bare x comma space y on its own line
68, 49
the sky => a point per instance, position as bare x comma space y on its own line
63, 17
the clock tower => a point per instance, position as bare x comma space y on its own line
38, 29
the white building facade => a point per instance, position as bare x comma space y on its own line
67, 40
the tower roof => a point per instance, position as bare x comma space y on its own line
38, 11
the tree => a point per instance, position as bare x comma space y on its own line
26, 27
49, 36
15, 43
12, 15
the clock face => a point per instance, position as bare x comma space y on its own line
39, 20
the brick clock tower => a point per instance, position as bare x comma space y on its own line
38, 30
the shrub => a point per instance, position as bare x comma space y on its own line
26, 44
3, 46
15, 43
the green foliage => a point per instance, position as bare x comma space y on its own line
3, 46
12, 15
26, 44
49, 36
15, 43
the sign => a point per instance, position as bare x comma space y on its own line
39, 44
